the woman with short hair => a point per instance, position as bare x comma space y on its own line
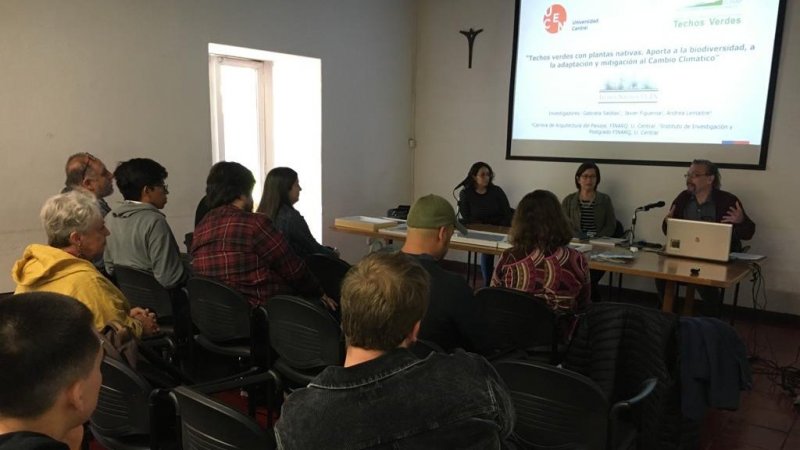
281, 192
590, 213
541, 261
76, 235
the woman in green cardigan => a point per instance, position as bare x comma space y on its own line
590, 213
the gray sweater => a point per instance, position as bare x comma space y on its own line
604, 218
141, 238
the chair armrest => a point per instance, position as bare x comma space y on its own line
615, 435
249, 377
647, 388
159, 340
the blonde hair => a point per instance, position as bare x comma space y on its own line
65, 213
383, 296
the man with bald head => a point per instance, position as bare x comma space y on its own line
86, 172
454, 318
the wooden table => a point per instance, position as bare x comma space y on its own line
671, 269
674, 270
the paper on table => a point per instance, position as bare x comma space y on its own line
746, 256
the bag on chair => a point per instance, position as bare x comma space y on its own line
120, 343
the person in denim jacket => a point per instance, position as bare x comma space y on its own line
385, 396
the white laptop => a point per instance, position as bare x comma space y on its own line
697, 239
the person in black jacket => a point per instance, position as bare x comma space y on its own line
483, 202
454, 318
281, 192
50, 356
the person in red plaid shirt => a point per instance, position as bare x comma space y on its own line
241, 248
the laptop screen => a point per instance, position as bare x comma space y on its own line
696, 239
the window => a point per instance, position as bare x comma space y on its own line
266, 112
240, 123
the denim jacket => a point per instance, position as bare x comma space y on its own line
399, 401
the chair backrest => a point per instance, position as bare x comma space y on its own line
330, 272
303, 333
516, 320
143, 290
219, 311
556, 408
207, 425
187, 241
123, 404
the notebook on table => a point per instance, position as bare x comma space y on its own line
697, 239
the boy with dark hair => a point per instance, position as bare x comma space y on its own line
384, 396
140, 235
50, 356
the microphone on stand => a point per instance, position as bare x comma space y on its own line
649, 206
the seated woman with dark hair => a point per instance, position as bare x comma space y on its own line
76, 234
243, 249
281, 192
590, 212
483, 202
540, 261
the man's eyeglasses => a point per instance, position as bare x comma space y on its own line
695, 175
89, 159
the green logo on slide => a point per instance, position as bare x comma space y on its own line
715, 3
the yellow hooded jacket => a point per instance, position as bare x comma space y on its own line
46, 268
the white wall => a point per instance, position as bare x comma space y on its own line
461, 117
126, 79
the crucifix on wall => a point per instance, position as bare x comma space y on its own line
470, 35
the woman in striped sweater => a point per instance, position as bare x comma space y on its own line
541, 261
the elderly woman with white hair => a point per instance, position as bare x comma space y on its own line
76, 234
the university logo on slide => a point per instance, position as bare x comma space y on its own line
555, 16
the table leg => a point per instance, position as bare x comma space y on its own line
735, 303
688, 302
472, 268
469, 268
669, 296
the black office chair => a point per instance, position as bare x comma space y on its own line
143, 290
618, 345
330, 272
206, 424
305, 336
130, 414
519, 321
230, 327
223, 317
557, 408
422, 348
170, 305
187, 241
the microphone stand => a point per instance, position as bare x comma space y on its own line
633, 227
641, 244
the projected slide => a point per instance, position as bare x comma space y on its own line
643, 71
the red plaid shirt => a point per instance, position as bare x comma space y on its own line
244, 251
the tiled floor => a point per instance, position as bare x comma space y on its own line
767, 418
